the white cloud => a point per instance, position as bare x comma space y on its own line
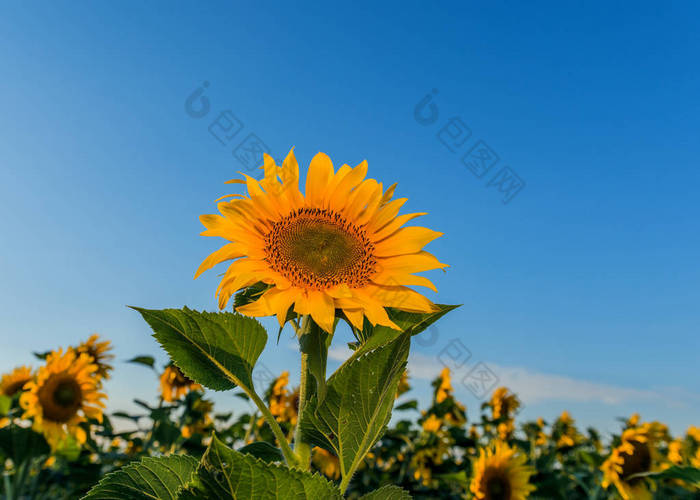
530, 386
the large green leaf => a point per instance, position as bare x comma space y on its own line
357, 407
217, 350
151, 478
389, 492
21, 444
411, 323
225, 473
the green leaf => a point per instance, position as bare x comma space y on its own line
389, 492
264, 451
143, 360
358, 404
151, 478
21, 444
5, 404
314, 344
690, 475
249, 294
411, 323
415, 323
225, 473
408, 405
217, 350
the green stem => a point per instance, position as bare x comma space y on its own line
344, 483
287, 451
303, 449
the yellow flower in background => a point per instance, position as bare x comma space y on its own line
326, 462
506, 430
64, 395
564, 431
404, 386
174, 384
500, 473
636, 453
675, 448
99, 354
339, 246
694, 432
444, 388
283, 404
11, 383
4, 422
633, 421
200, 422
503, 403
432, 424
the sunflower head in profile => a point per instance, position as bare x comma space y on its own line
284, 405
500, 473
13, 382
99, 353
340, 246
174, 384
636, 453
503, 403
63, 395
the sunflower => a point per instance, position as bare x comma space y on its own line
98, 352
564, 431
339, 246
174, 384
199, 420
503, 403
63, 395
636, 453
283, 404
13, 382
501, 474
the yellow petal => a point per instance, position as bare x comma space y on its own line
227, 252
404, 241
317, 178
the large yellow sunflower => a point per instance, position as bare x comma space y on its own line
13, 382
500, 473
99, 353
636, 453
339, 246
64, 394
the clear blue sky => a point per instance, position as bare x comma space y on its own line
588, 278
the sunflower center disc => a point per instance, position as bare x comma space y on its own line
61, 398
318, 249
498, 488
638, 461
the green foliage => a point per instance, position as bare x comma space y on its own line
21, 444
217, 350
143, 360
358, 404
263, 450
225, 473
690, 475
389, 492
151, 478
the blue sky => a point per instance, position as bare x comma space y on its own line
581, 292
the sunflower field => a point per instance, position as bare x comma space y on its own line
337, 254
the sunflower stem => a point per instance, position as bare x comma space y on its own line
301, 448
289, 455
